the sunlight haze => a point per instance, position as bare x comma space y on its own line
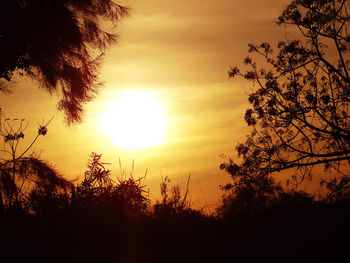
179, 52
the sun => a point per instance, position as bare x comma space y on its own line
134, 120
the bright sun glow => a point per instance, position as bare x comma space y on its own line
134, 120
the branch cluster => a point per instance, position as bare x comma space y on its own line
59, 43
299, 111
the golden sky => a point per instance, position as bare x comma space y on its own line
180, 51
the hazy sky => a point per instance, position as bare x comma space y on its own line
180, 51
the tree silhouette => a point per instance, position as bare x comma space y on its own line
300, 106
58, 43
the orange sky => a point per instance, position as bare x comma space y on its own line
181, 51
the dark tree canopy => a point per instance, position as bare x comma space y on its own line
59, 43
300, 101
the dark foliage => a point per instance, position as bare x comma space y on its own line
24, 175
102, 220
289, 226
249, 196
274, 225
175, 202
59, 43
99, 190
299, 114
